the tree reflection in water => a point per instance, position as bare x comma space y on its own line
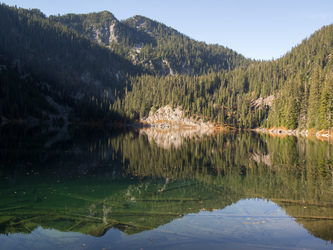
89, 181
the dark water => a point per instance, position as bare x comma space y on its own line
82, 188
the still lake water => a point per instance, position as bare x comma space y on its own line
83, 188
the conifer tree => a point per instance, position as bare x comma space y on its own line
314, 97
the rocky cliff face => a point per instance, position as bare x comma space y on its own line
102, 27
104, 35
167, 117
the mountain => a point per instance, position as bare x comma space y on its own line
103, 28
95, 68
159, 49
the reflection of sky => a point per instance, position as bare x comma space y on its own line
248, 224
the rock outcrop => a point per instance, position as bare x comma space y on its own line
167, 117
268, 101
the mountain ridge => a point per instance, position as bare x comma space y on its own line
151, 43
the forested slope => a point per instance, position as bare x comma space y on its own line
107, 70
63, 65
301, 82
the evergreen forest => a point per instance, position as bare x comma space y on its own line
95, 68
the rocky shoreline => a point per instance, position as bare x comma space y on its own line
168, 117
293, 132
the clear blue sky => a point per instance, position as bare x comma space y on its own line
259, 29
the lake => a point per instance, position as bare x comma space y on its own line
96, 188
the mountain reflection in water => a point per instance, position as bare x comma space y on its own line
100, 182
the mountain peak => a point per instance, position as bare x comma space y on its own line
96, 16
142, 22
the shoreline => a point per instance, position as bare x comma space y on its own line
320, 134
178, 123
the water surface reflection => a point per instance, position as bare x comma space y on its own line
80, 187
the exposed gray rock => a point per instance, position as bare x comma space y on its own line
268, 101
167, 117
